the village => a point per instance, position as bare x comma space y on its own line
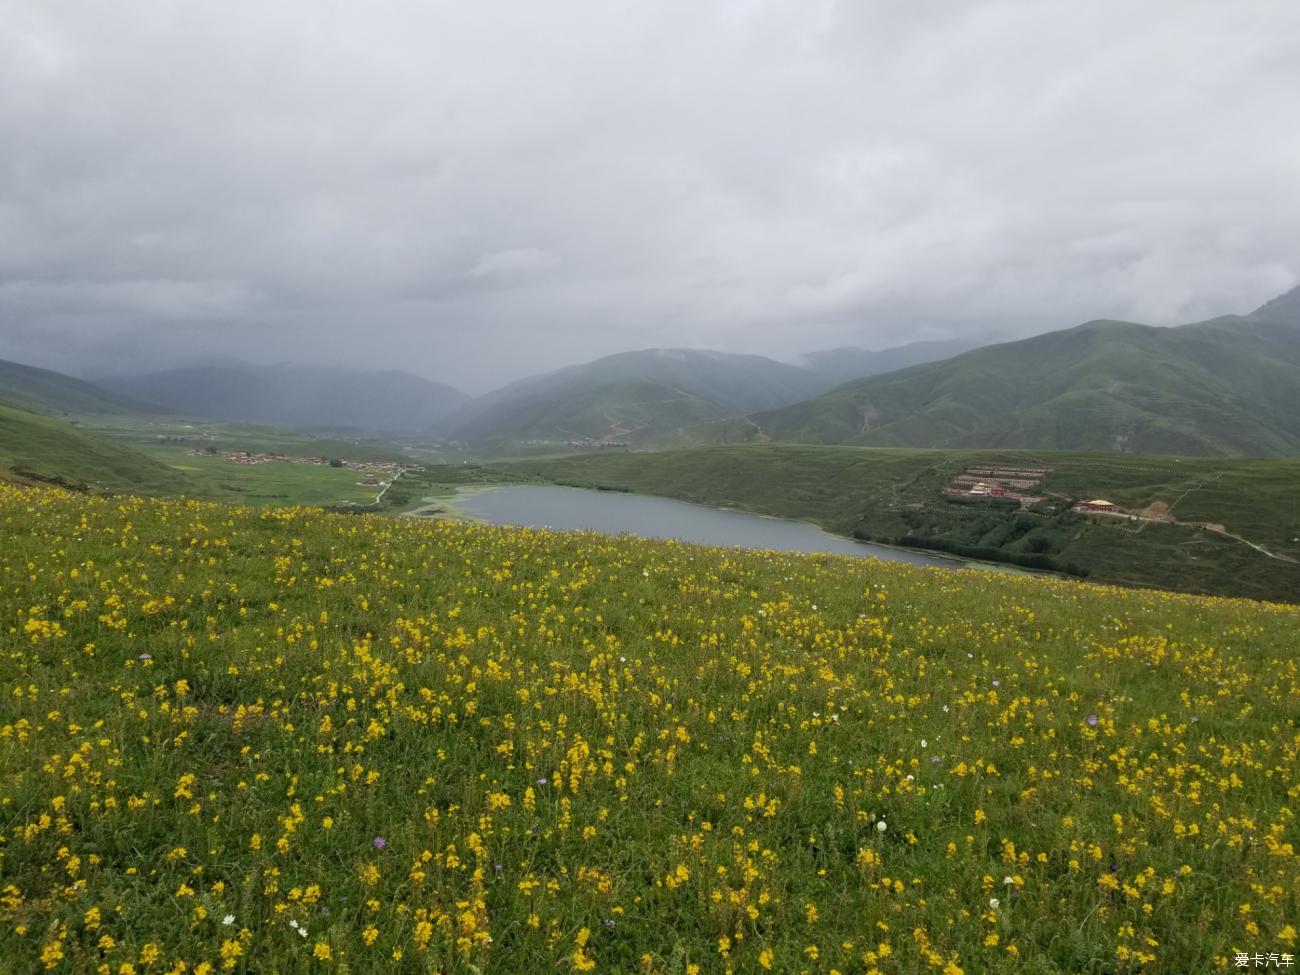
372, 469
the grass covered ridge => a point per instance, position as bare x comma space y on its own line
42, 449
250, 740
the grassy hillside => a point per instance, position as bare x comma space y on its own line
1226, 387
243, 742
326, 399
40, 449
37, 448
897, 496
45, 391
632, 397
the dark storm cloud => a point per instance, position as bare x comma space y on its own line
473, 191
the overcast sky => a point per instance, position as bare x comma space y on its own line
477, 190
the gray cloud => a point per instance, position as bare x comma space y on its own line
475, 191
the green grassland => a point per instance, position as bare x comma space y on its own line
240, 739
280, 484
896, 496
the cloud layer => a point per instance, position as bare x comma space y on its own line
475, 191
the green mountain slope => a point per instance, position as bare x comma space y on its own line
44, 449
631, 397
46, 391
1223, 387
303, 397
1283, 308
837, 366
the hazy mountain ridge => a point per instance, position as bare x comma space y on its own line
307, 397
1283, 308
47, 391
844, 364
640, 396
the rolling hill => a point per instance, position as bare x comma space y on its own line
304, 397
46, 391
43, 449
631, 397
1229, 386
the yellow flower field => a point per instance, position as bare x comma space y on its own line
241, 740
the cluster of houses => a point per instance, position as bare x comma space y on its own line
590, 443
1017, 484
244, 457
1020, 484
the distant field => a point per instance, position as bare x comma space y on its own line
182, 432
213, 476
896, 496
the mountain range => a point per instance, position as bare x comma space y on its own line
631, 396
1227, 386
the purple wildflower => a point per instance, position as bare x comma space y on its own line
1092, 720
379, 842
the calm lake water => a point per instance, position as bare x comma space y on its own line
614, 513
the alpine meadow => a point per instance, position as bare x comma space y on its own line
282, 740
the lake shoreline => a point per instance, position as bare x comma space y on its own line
452, 506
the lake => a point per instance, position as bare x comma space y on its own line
616, 513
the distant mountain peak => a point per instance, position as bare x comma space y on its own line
1283, 308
